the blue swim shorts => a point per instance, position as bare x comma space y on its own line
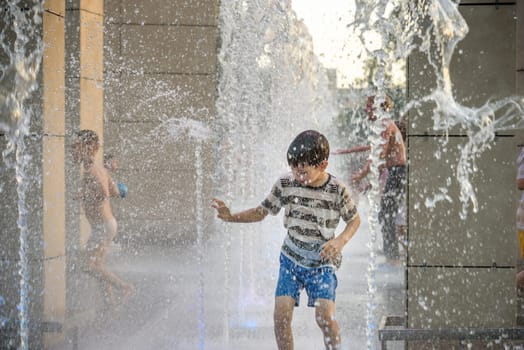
319, 282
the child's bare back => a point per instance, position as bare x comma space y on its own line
97, 188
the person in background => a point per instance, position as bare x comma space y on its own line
401, 220
394, 155
97, 187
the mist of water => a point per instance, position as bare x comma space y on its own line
188, 130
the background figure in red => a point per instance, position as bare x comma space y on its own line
394, 156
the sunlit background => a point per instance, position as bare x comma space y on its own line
337, 45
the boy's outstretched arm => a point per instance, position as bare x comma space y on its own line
334, 247
249, 215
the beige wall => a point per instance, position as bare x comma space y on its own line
160, 62
53, 168
461, 273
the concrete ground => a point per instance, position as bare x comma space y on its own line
219, 295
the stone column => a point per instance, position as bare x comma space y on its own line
53, 168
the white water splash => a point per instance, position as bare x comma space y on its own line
17, 82
271, 87
480, 124
175, 129
431, 202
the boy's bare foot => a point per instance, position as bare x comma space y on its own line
109, 296
126, 293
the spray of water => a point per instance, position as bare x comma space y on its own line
375, 25
17, 82
271, 87
176, 129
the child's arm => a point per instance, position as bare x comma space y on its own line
359, 175
333, 247
249, 215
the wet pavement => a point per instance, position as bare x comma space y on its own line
220, 295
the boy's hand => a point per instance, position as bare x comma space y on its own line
331, 249
223, 211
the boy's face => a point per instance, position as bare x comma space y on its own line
81, 151
77, 151
310, 175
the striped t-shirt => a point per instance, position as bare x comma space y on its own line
311, 216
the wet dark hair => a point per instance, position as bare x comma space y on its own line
87, 137
309, 147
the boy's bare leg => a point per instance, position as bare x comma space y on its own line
96, 265
282, 317
325, 316
109, 295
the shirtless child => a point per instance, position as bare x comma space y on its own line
97, 187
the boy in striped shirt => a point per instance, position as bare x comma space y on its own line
314, 201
